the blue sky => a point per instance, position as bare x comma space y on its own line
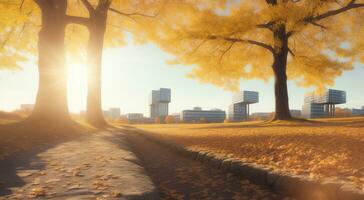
131, 72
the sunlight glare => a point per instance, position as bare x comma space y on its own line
77, 87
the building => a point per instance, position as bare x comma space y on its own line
262, 115
239, 109
27, 107
295, 113
177, 117
112, 113
322, 105
358, 112
159, 100
134, 116
199, 115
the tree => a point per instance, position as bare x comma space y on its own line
13, 25
157, 120
170, 119
96, 22
51, 102
239, 39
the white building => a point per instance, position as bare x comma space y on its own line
239, 110
134, 116
159, 100
295, 113
198, 115
262, 115
358, 112
322, 105
176, 117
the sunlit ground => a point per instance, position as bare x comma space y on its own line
325, 148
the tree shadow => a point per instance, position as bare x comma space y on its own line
22, 142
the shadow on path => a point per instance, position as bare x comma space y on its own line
22, 142
180, 178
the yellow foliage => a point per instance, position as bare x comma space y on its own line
18, 32
217, 43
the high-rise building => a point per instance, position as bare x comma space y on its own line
239, 109
199, 115
159, 100
322, 105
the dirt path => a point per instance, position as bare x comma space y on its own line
99, 166
180, 178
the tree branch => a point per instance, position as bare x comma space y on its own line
291, 52
131, 14
88, 6
349, 6
253, 42
226, 50
317, 24
78, 20
268, 25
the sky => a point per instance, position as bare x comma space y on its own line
132, 71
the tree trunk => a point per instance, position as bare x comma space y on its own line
279, 68
97, 29
51, 102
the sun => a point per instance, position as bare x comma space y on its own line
77, 86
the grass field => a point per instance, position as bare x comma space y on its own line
328, 148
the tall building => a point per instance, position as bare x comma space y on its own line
322, 105
159, 100
239, 109
198, 115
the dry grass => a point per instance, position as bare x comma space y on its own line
321, 148
18, 135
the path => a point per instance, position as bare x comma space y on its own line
99, 166
180, 178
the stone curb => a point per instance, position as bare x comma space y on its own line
299, 187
